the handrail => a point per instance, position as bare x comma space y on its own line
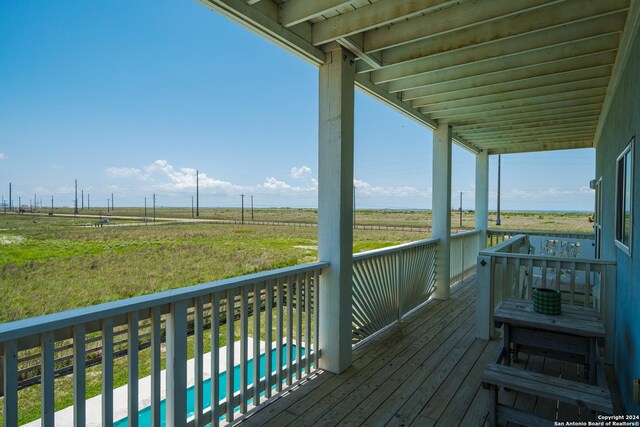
464, 234
50, 322
393, 249
502, 245
543, 233
555, 259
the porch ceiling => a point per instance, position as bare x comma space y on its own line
508, 76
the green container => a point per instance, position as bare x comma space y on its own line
547, 301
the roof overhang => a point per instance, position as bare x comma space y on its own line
508, 76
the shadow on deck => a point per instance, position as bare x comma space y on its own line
423, 372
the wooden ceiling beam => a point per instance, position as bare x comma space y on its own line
294, 12
538, 123
586, 134
549, 132
529, 148
530, 42
568, 70
518, 96
445, 21
556, 21
525, 115
376, 14
533, 103
565, 124
521, 62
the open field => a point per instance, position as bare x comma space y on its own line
577, 222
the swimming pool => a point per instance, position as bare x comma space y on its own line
144, 415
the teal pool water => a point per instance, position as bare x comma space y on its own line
144, 415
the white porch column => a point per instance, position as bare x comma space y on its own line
441, 209
482, 196
335, 201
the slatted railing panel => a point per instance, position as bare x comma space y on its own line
464, 253
375, 292
286, 298
388, 283
418, 276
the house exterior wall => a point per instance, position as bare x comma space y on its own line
623, 123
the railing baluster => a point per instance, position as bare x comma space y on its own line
268, 338
291, 283
10, 383
47, 368
156, 364
198, 368
279, 324
79, 376
107, 371
244, 336
230, 355
132, 356
544, 273
558, 275
307, 312
299, 284
316, 319
215, 359
176, 402
530, 280
587, 284
572, 284
257, 300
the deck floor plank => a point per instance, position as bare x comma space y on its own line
424, 371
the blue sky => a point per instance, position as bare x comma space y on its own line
131, 99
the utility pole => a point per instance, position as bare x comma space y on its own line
10, 199
19, 203
498, 212
145, 209
191, 206
197, 195
35, 200
51, 205
252, 207
107, 206
242, 195
111, 202
75, 205
461, 209
154, 207
82, 192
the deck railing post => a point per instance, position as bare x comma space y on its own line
176, 402
335, 206
482, 197
441, 209
484, 298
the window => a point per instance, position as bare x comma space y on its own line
624, 191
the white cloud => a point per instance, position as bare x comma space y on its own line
122, 172
363, 188
275, 186
1, 156
301, 172
161, 175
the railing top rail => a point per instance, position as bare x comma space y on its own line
465, 234
542, 232
394, 249
503, 245
51, 322
547, 258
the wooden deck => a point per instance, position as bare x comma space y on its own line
424, 372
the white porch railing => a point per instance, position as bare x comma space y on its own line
509, 270
287, 297
388, 283
498, 236
464, 253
